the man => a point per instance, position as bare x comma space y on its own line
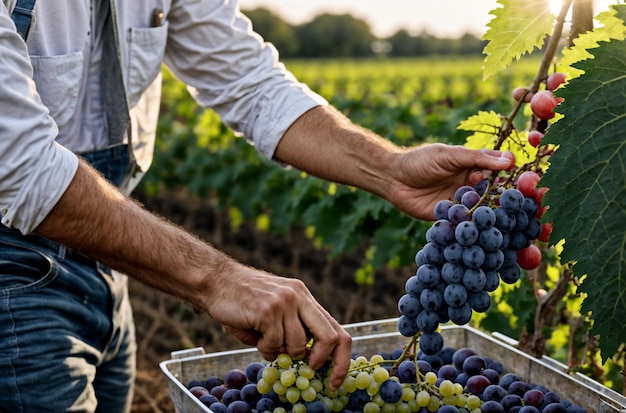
66, 332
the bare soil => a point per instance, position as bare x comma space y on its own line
166, 324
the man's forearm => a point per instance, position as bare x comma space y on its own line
97, 220
326, 144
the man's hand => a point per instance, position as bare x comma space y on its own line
277, 314
429, 173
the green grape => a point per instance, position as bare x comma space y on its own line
458, 388
473, 402
446, 388
402, 408
380, 374
263, 386
461, 400
288, 378
306, 371
279, 388
378, 400
317, 385
361, 361
413, 405
280, 410
336, 405
298, 408
408, 394
430, 377
388, 408
476, 410
434, 404
449, 400
371, 407
293, 395
308, 395
373, 388
302, 383
349, 384
423, 398
376, 359
362, 380
270, 374
284, 360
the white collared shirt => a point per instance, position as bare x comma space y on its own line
50, 100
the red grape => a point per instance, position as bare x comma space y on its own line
534, 138
543, 104
520, 92
527, 183
555, 80
529, 258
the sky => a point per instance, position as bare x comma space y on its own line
443, 18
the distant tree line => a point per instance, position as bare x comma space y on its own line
343, 35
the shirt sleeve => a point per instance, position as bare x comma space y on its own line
212, 48
34, 169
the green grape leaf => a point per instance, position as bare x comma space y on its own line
516, 29
611, 27
587, 181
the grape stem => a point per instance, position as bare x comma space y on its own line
542, 73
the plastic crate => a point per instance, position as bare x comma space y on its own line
382, 335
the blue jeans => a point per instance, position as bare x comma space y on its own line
67, 339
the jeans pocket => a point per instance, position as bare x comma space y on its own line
24, 269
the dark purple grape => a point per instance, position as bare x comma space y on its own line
574, 408
252, 371
218, 407
446, 354
511, 400
235, 379
218, 391
470, 199
458, 194
490, 239
265, 404
230, 396
554, 408
551, 397
460, 315
199, 391
491, 374
482, 186
466, 233
195, 383
409, 306
424, 366
427, 321
250, 394
431, 299
521, 221
492, 281
459, 356
528, 409
497, 366
390, 391
432, 254
492, 406
442, 232
407, 326
477, 384
517, 240
507, 379
455, 295
530, 206
453, 253
441, 209
239, 406
213, 381
473, 257
208, 399
505, 221
493, 392
458, 213
448, 409
452, 273
533, 230
533, 397
428, 275
431, 343
510, 275
493, 261
407, 372
480, 301
474, 279
447, 372
413, 286
519, 388
511, 200
474, 365
484, 217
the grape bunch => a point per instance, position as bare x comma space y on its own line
481, 237
401, 381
